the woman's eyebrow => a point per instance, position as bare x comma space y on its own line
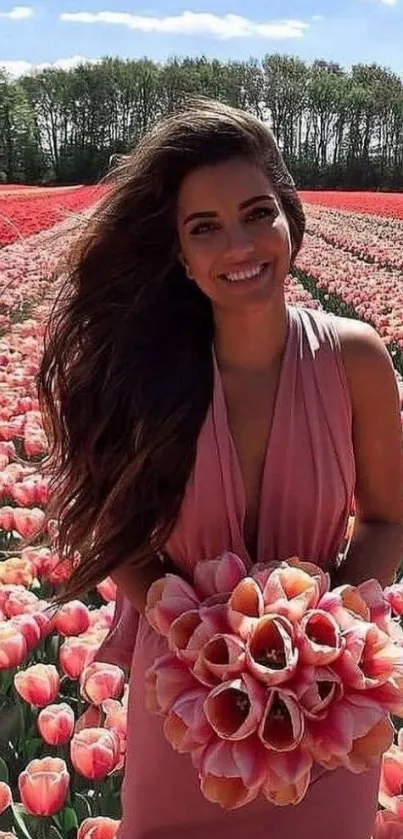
243, 205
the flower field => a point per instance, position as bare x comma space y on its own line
62, 713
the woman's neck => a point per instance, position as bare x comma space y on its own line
251, 340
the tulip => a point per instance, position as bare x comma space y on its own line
283, 794
368, 750
394, 597
270, 653
391, 783
388, 826
245, 607
167, 599
16, 571
95, 753
56, 724
235, 708
100, 827
4, 835
291, 591
78, 653
233, 773
44, 786
6, 798
13, 646
28, 522
223, 656
20, 601
72, 618
219, 575
107, 589
39, 684
29, 628
116, 721
370, 657
316, 695
282, 725
100, 681
187, 635
321, 641
166, 680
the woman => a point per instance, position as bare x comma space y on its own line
192, 411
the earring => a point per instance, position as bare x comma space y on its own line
187, 269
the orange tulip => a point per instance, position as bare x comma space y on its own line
56, 724
100, 681
44, 786
98, 828
95, 752
13, 646
39, 685
6, 798
16, 571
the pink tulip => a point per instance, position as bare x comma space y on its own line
388, 826
6, 798
116, 721
235, 708
368, 750
315, 695
219, 575
91, 718
186, 726
233, 773
394, 597
100, 681
370, 657
95, 753
107, 589
331, 738
7, 835
44, 786
20, 601
13, 646
245, 607
391, 783
78, 653
100, 827
270, 653
39, 684
29, 628
291, 591
379, 609
282, 725
166, 680
72, 618
28, 522
167, 599
321, 641
282, 794
222, 656
187, 634
56, 724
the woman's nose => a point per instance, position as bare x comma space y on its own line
239, 241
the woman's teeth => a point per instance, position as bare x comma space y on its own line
245, 273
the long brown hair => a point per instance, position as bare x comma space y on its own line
126, 376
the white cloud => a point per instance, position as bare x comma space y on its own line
23, 68
194, 23
18, 13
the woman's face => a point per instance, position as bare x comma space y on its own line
234, 236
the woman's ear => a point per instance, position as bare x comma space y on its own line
183, 262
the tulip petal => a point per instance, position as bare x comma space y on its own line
282, 725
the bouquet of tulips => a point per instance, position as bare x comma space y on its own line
270, 675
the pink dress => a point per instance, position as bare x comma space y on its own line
307, 488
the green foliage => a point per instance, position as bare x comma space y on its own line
336, 128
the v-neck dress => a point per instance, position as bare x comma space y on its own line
306, 494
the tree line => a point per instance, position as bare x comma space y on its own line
336, 128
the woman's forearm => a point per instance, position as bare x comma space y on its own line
375, 551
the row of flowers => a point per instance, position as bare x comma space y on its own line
373, 239
24, 215
389, 204
374, 293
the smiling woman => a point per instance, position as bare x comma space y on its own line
192, 412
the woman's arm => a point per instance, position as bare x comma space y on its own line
134, 582
376, 548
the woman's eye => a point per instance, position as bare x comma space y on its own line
203, 227
260, 213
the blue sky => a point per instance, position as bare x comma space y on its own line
61, 32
